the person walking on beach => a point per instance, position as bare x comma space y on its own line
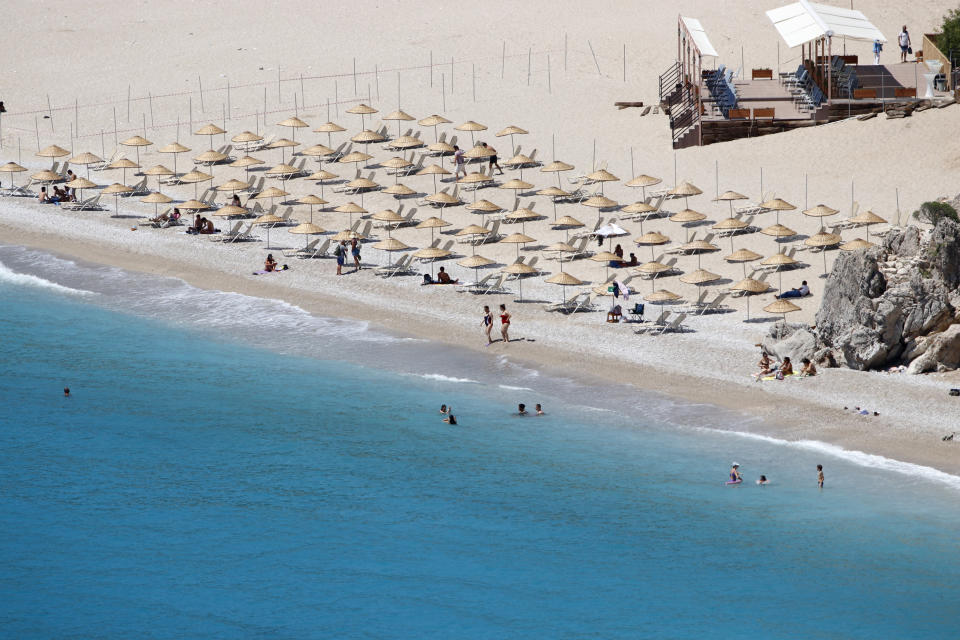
341, 255
820, 476
493, 159
355, 251
904, 40
504, 323
487, 323
877, 48
458, 158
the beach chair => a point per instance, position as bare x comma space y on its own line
90, 204
715, 305
298, 253
675, 325
23, 191
494, 286
581, 251
636, 314
402, 267
323, 251
567, 305
479, 284
585, 303
656, 325
227, 234
243, 235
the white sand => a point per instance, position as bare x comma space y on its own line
161, 49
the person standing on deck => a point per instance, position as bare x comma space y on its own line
904, 39
877, 48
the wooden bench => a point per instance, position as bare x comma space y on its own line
739, 114
905, 92
764, 113
762, 74
864, 93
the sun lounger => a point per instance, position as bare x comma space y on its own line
401, 267
90, 204
567, 305
234, 230
715, 305
242, 235
675, 325
656, 325
22, 191
585, 303
473, 286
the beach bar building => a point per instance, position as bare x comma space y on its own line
726, 103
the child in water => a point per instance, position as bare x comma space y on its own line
762, 481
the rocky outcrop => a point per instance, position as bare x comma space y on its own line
890, 305
791, 340
938, 352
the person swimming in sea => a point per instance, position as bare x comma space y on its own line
735, 476
450, 419
443, 409
66, 392
521, 409
762, 481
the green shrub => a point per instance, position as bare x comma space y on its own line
949, 37
933, 212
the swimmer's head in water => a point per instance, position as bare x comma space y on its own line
66, 391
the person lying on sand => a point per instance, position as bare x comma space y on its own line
799, 292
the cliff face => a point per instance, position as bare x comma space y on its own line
890, 305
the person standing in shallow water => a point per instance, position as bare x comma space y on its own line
504, 323
820, 476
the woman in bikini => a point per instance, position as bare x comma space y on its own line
270, 264
504, 323
488, 323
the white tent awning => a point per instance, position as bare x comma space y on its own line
804, 21
700, 39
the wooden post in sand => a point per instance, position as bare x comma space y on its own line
355, 76
144, 125
529, 63
264, 108
303, 97
296, 111
594, 58
376, 76
36, 124
116, 140
103, 147
431, 67
229, 105
128, 103
443, 90
203, 109
473, 79
150, 98
549, 79
336, 97
190, 109
76, 116
279, 97
49, 114
503, 59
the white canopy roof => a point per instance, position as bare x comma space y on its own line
699, 36
804, 21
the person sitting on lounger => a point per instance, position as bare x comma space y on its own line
269, 264
444, 278
799, 292
235, 200
808, 369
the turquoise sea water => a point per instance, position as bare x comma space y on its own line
234, 468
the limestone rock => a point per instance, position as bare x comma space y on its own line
941, 351
903, 242
944, 252
795, 341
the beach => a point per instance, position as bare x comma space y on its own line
565, 104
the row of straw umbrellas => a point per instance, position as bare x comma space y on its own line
390, 244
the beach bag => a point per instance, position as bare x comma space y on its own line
779, 375
909, 49
338, 252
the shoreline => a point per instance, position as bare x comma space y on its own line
789, 418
